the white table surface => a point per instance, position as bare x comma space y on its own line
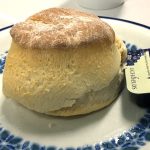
12, 11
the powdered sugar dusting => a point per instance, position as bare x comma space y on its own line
59, 27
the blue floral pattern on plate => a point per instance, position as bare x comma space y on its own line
133, 139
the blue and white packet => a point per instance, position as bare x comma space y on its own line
137, 71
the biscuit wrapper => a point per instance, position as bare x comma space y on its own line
137, 71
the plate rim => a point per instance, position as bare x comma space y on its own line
127, 21
103, 17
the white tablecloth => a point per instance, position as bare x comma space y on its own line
12, 11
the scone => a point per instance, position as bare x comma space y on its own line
63, 62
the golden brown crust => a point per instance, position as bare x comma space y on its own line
61, 28
80, 109
53, 79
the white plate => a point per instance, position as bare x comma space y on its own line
123, 125
6, 20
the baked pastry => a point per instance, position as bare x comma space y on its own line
63, 62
